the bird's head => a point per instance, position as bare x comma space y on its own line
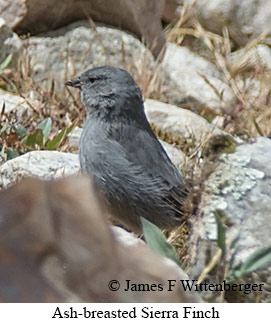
109, 90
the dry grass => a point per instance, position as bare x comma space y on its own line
245, 71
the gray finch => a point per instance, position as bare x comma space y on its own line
119, 149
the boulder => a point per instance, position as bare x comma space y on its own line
239, 189
70, 50
56, 246
198, 78
10, 43
244, 19
178, 121
39, 164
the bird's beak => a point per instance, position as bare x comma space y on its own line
75, 82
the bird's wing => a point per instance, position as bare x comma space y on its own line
143, 150
110, 165
127, 151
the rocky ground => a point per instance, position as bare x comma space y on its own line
205, 78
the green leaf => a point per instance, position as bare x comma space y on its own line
45, 126
71, 127
5, 62
4, 127
12, 153
157, 241
221, 235
55, 142
39, 137
35, 138
255, 261
31, 140
20, 131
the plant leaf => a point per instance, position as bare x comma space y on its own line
4, 128
5, 62
39, 137
31, 140
71, 127
157, 241
12, 153
55, 142
255, 261
45, 126
20, 131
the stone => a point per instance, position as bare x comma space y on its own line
13, 103
10, 43
39, 164
178, 121
193, 76
170, 12
245, 59
244, 19
55, 239
13, 11
68, 51
239, 188
176, 155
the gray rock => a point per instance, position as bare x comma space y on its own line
240, 187
40, 164
176, 155
188, 71
69, 215
242, 18
12, 102
180, 122
12, 11
245, 59
68, 51
74, 138
10, 43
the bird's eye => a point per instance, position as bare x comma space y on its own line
91, 79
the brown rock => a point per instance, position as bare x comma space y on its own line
56, 245
13, 11
170, 11
9, 42
141, 17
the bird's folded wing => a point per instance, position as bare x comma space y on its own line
142, 149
